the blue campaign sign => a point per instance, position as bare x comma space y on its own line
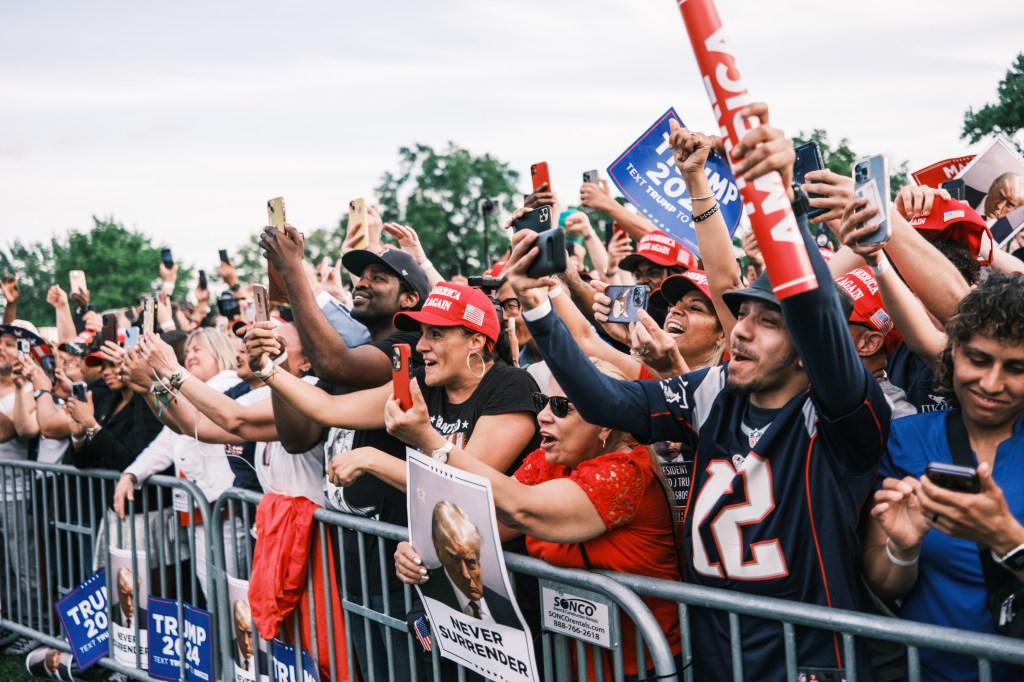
84, 614
284, 664
166, 637
647, 176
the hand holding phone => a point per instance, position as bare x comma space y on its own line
77, 278
400, 375
275, 213
224, 257
953, 477
871, 181
626, 301
79, 391
808, 158
109, 332
538, 220
358, 229
541, 177
262, 303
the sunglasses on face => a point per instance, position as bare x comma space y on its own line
560, 405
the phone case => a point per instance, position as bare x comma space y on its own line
808, 158
538, 220
262, 304
953, 477
77, 278
131, 337
539, 173
871, 180
590, 176
357, 220
552, 258
275, 213
167, 257
149, 321
202, 279
224, 256
400, 374
109, 328
79, 391
626, 301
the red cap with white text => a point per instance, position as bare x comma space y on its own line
454, 305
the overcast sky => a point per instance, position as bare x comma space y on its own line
180, 119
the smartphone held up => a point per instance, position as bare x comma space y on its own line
871, 182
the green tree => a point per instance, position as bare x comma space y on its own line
120, 266
1007, 115
437, 193
840, 158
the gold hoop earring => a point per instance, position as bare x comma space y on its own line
483, 364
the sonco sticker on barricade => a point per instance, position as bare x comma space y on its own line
646, 174
474, 619
84, 615
579, 614
167, 636
128, 610
284, 664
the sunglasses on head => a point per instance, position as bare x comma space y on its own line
560, 405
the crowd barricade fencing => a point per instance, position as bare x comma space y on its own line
56, 525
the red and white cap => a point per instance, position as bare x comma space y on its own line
861, 290
661, 249
952, 219
454, 305
675, 287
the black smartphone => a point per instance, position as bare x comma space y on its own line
79, 391
109, 328
538, 220
202, 279
552, 258
626, 301
953, 477
24, 347
808, 158
224, 257
167, 258
956, 188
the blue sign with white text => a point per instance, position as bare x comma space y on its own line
647, 176
166, 638
284, 664
84, 614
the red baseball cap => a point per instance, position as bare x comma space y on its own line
675, 287
659, 248
454, 305
952, 219
861, 291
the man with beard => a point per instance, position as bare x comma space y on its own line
389, 282
788, 436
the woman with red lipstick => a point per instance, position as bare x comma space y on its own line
587, 498
929, 545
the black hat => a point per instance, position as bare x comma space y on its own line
760, 289
398, 262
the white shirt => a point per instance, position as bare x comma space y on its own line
205, 464
280, 472
15, 449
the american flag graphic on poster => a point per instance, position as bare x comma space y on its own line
882, 321
473, 315
423, 633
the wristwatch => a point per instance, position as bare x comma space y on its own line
91, 432
1012, 560
441, 454
38, 393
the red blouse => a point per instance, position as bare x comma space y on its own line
625, 490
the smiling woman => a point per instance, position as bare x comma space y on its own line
923, 545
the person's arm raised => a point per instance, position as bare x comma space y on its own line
359, 410
332, 359
599, 197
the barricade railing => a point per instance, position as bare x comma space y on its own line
57, 530
850, 624
374, 615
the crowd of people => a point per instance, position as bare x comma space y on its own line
809, 427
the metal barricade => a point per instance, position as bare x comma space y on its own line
57, 528
374, 618
850, 624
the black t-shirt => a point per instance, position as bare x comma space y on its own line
909, 372
503, 390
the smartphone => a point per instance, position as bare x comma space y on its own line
539, 173
79, 391
131, 337
167, 258
275, 213
149, 316
224, 257
262, 303
109, 328
552, 258
538, 220
77, 278
591, 176
808, 158
626, 301
956, 188
871, 180
357, 223
202, 279
24, 348
952, 477
400, 374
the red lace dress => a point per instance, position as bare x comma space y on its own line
625, 490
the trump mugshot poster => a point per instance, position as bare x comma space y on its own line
129, 598
474, 619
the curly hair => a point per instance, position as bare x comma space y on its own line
959, 254
995, 309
